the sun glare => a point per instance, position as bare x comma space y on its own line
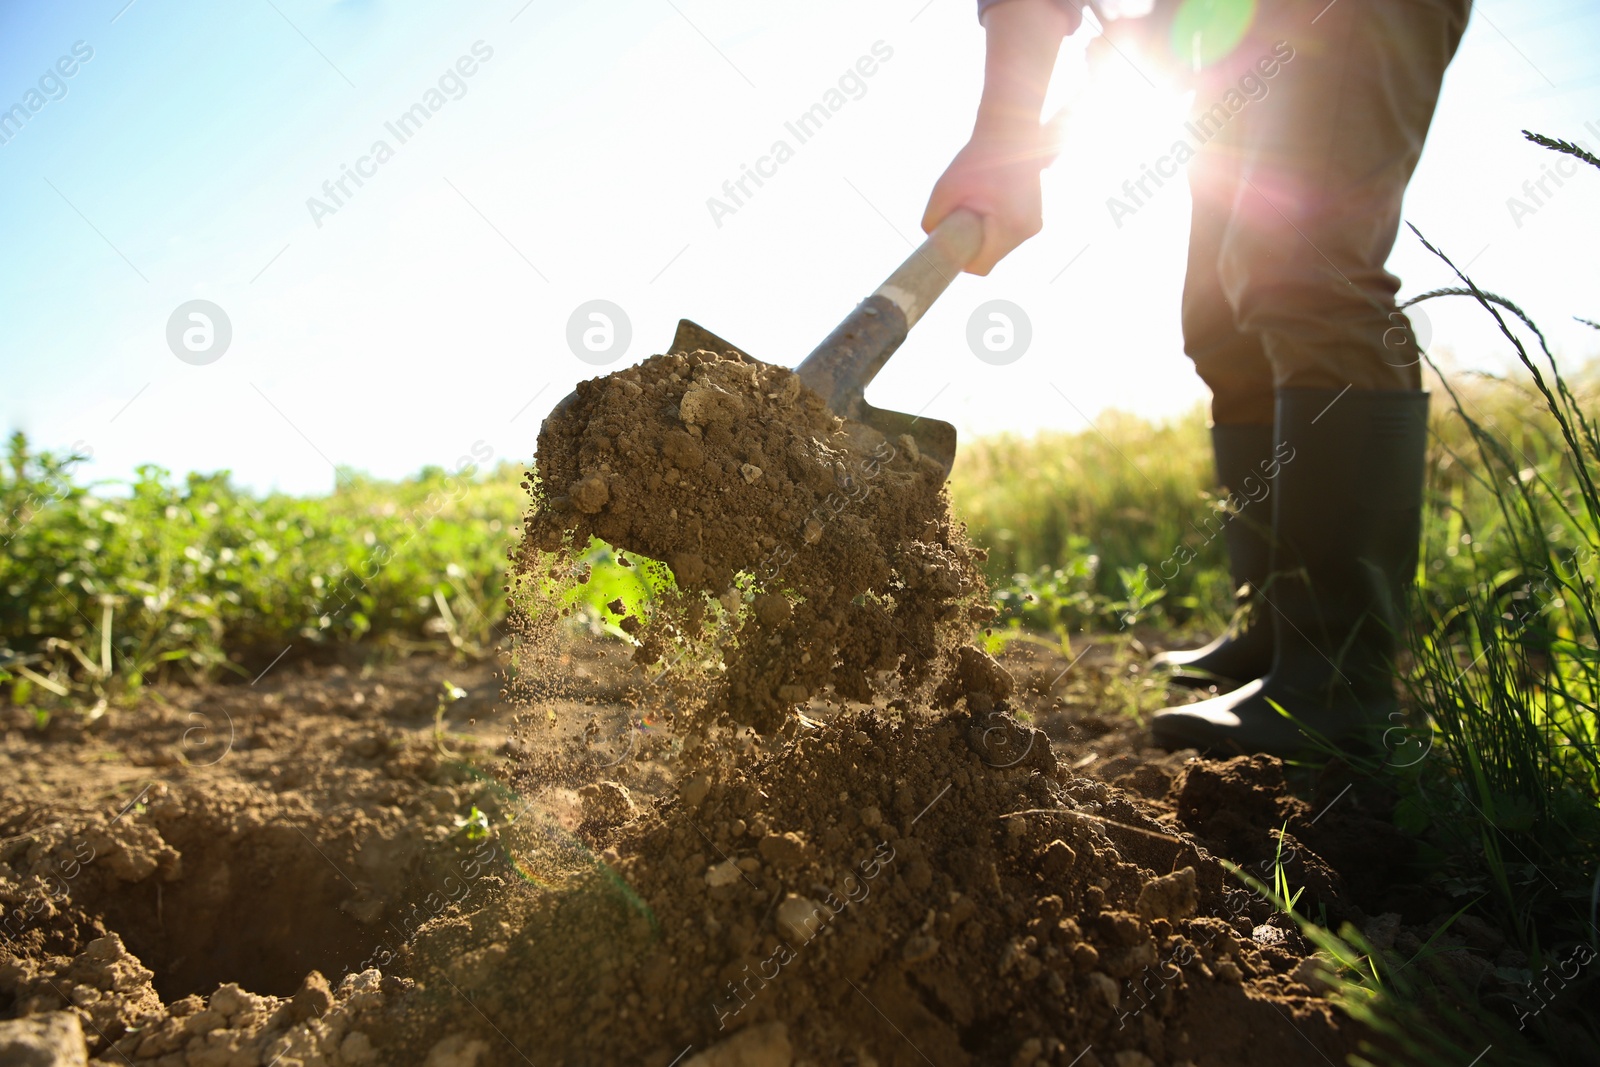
1116, 115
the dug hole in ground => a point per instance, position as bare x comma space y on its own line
795, 818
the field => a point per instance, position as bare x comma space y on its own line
285, 783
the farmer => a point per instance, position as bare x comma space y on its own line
1307, 122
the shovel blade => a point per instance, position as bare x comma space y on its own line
935, 438
692, 337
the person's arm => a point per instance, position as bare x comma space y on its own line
997, 173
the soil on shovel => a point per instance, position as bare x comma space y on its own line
796, 820
824, 552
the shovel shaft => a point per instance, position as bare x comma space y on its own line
840, 368
926, 273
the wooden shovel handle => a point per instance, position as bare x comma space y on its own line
917, 282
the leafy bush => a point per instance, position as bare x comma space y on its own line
106, 582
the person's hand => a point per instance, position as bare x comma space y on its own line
996, 175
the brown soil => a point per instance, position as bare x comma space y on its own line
881, 890
227, 835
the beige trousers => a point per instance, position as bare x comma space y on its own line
1297, 199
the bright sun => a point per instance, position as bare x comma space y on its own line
1116, 114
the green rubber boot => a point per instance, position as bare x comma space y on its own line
1246, 467
1347, 515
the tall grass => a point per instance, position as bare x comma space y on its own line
1081, 521
1506, 645
1503, 784
1507, 663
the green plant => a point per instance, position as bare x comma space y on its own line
107, 584
1280, 876
473, 826
1103, 529
449, 693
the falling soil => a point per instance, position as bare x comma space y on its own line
824, 551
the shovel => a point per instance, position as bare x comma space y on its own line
841, 367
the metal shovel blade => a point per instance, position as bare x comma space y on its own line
844, 364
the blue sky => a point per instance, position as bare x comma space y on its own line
429, 314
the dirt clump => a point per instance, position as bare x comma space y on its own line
1242, 809
53, 1039
893, 884
824, 550
108, 987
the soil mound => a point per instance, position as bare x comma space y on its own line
893, 885
880, 892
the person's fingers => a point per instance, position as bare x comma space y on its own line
1006, 196
950, 195
947, 195
997, 244
1004, 231
992, 249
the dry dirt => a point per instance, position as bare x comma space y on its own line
291, 873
